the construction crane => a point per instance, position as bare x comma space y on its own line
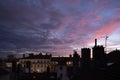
106, 38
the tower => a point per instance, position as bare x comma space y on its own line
61, 69
85, 58
76, 59
98, 56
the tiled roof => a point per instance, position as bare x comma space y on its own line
61, 58
38, 57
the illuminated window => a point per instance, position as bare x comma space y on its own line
38, 70
68, 63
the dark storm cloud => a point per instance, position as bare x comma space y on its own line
28, 23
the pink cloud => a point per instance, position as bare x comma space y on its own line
107, 29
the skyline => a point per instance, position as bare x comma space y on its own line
58, 26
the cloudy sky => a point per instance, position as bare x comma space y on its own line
58, 26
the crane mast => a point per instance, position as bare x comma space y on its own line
106, 41
106, 38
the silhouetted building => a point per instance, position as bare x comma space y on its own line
76, 59
1, 63
85, 58
68, 61
14, 70
4, 74
14, 65
113, 57
76, 62
113, 71
62, 69
98, 56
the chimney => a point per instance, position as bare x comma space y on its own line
70, 56
95, 42
23, 55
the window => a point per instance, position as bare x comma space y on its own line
38, 65
44, 61
44, 65
61, 67
41, 65
34, 65
38, 61
47, 61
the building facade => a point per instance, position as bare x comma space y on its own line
35, 63
39, 63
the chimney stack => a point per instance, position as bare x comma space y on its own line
95, 42
70, 56
23, 55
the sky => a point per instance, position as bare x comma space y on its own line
58, 26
